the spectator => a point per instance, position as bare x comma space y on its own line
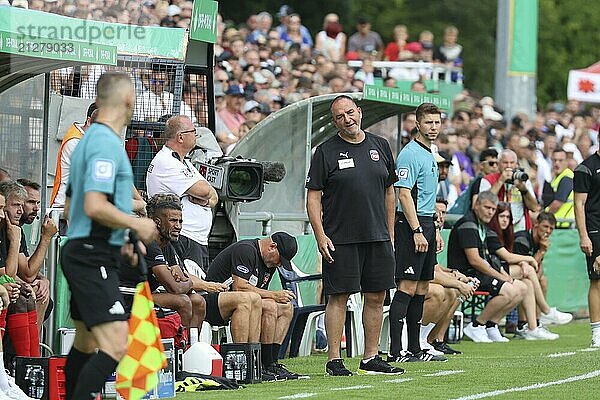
466, 252
445, 190
171, 172
390, 82
561, 196
398, 49
331, 41
519, 193
294, 35
365, 41
488, 164
418, 86
259, 35
284, 15
462, 168
232, 115
450, 52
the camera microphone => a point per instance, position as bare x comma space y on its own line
273, 171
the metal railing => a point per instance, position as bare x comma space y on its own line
267, 217
433, 71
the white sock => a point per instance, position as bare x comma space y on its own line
4, 386
595, 328
425, 331
193, 335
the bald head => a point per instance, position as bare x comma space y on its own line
114, 89
175, 124
508, 154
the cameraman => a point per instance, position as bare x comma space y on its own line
513, 186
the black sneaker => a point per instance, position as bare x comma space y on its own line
425, 356
444, 348
268, 375
336, 368
283, 372
377, 366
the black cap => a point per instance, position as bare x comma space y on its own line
287, 246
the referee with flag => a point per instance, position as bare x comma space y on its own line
99, 206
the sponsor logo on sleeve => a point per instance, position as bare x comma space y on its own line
308, 179
402, 173
243, 269
159, 257
103, 170
374, 155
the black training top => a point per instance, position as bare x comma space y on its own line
587, 180
465, 234
524, 244
353, 178
130, 276
241, 259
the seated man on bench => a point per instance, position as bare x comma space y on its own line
442, 298
167, 265
467, 252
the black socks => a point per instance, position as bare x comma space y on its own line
398, 310
93, 376
75, 362
413, 322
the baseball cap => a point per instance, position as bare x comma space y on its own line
251, 105
235, 90
441, 159
284, 11
287, 246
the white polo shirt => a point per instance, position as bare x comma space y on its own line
167, 174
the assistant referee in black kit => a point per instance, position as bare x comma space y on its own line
350, 205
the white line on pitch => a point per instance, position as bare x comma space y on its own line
399, 380
353, 387
444, 373
299, 396
555, 355
589, 375
590, 349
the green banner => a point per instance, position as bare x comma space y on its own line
57, 49
523, 36
153, 41
203, 26
405, 98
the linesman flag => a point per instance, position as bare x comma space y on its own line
137, 371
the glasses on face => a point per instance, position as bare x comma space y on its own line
189, 131
491, 163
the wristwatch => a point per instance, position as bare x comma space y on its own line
418, 229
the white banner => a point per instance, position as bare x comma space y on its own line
584, 86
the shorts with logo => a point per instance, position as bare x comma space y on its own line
359, 267
595, 238
213, 315
487, 283
410, 265
91, 268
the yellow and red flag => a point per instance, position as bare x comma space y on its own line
137, 371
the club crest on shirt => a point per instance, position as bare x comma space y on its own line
374, 155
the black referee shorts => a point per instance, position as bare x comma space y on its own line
595, 238
410, 265
359, 267
91, 268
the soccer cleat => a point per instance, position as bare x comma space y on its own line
444, 348
495, 336
427, 356
268, 375
538, 333
477, 334
284, 373
376, 366
404, 356
337, 368
555, 317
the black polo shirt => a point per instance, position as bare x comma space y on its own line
587, 180
465, 234
353, 178
241, 259
155, 256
